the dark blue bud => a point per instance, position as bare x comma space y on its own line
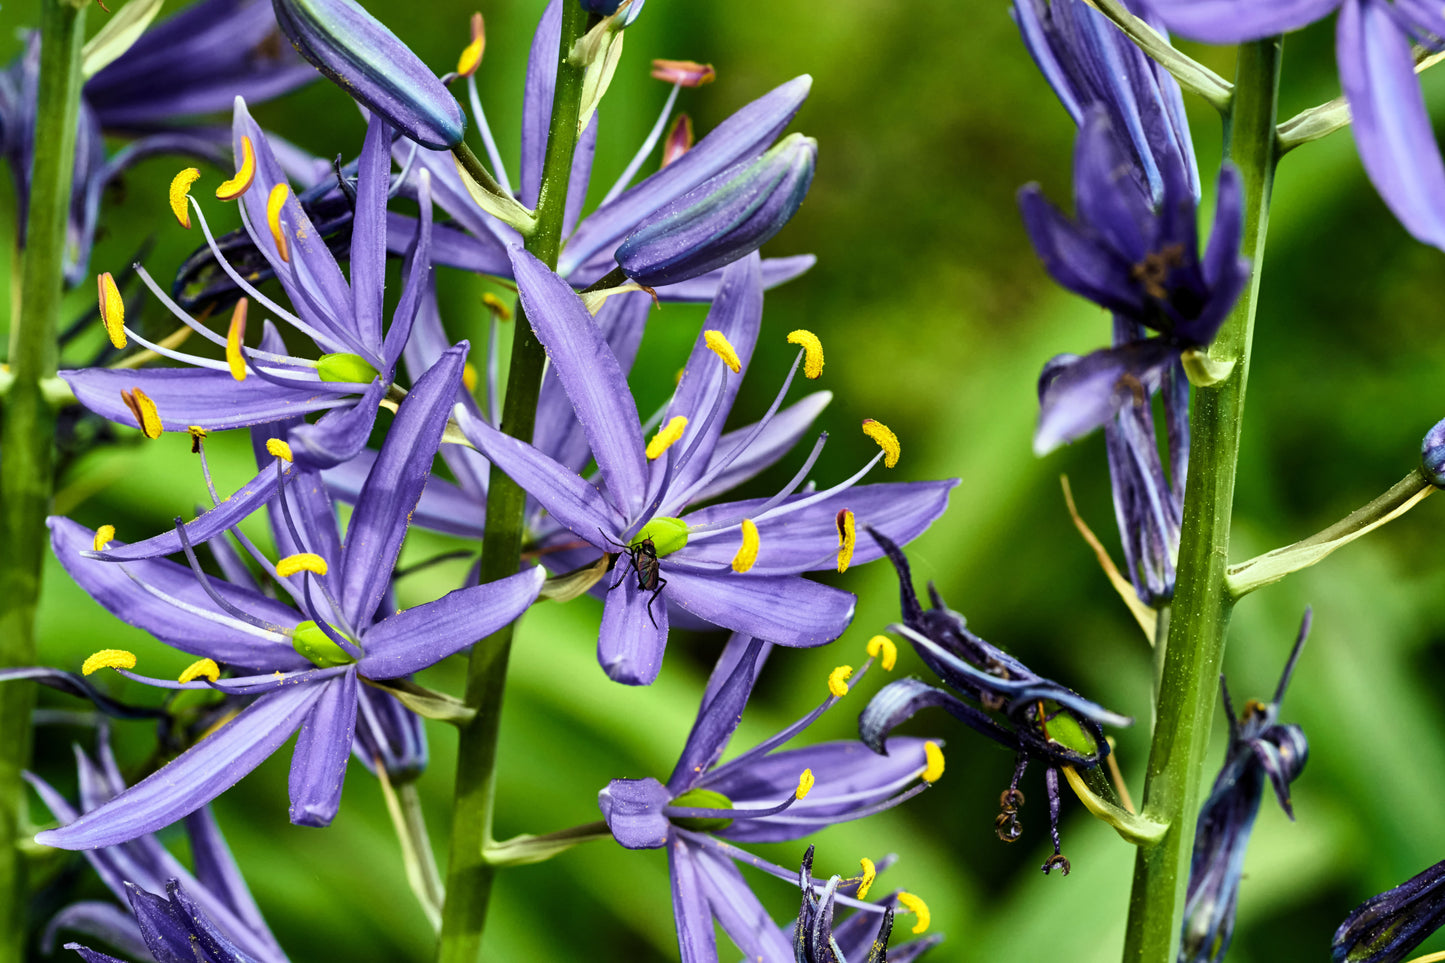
1388, 927
1432, 455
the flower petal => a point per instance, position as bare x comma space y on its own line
634, 631
787, 610
368, 230
1236, 21
1079, 395
191, 396
537, 101
339, 434
632, 809
743, 917
323, 746
690, 910
717, 720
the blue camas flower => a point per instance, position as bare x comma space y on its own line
1387, 928
761, 795
1261, 750
306, 661
1041, 720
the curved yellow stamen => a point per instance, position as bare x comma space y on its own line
301, 562
469, 376
666, 436
885, 439
147, 418
934, 767
747, 554
277, 448
112, 309
918, 908
235, 339
838, 680
277, 200
246, 173
471, 57
812, 352
495, 305
108, 659
201, 668
870, 873
723, 348
180, 190
847, 539
805, 784
103, 536
883, 645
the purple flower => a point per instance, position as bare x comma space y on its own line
1377, 71
1260, 749
175, 930
734, 565
307, 661
1432, 455
1139, 259
762, 795
1387, 928
862, 938
1041, 719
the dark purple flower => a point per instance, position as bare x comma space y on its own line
1387, 928
1260, 750
175, 930
862, 938
1039, 719
762, 795
1377, 71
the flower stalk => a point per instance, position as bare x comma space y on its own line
1202, 601
469, 873
27, 436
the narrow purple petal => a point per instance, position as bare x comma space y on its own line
416, 282
443, 507
323, 746
1236, 21
368, 230
450, 247
743, 917
695, 938
221, 879
106, 922
190, 396
1075, 259
580, 177
339, 434
717, 721
1080, 395
537, 100
634, 631
787, 610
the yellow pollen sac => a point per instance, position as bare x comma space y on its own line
886, 440
721, 347
235, 338
805, 784
838, 680
495, 305
847, 538
112, 309
301, 562
870, 873
277, 448
469, 376
108, 659
180, 190
666, 436
812, 352
471, 57
201, 668
274, 203
198, 437
147, 418
747, 554
934, 767
246, 173
882, 645
918, 908
103, 535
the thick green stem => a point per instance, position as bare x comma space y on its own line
27, 438
1200, 612
469, 875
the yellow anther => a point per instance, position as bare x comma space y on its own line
108, 659
812, 351
112, 309
886, 440
882, 645
838, 680
934, 767
147, 419
279, 194
805, 784
103, 536
471, 57
301, 562
201, 668
870, 873
847, 538
277, 448
666, 436
747, 555
918, 908
497, 306
469, 376
180, 190
198, 437
721, 347
246, 173
235, 338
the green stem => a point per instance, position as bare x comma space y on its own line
27, 437
469, 875
1202, 603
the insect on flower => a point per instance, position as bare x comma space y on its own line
642, 560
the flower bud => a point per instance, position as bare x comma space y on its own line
357, 52
725, 218
1432, 455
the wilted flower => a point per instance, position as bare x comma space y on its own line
1260, 749
861, 938
1388, 927
1041, 720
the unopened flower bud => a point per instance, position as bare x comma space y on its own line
1432, 455
357, 52
726, 218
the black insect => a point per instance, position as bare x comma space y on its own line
642, 561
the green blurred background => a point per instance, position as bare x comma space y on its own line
937, 318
